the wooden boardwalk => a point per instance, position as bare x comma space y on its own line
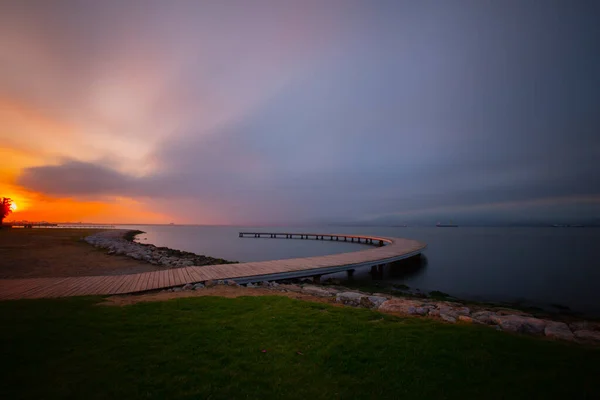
392, 249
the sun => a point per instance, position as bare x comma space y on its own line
13, 207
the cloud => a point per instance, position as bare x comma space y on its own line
74, 178
322, 112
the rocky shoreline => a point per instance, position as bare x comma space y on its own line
120, 242
499, 318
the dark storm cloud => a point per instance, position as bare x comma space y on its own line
419, 106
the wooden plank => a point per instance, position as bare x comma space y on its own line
46, 288
128, 288
128, 281
164, 280
83, 288
152, 280
186, 275
140, 282
178, 277
107, 285
116, 283
144, 287
10, 289
96, 288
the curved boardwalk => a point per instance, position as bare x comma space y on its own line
392, 249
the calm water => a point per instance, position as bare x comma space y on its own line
540, 266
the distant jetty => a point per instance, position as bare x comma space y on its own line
450, 225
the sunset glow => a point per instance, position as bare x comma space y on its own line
328, 112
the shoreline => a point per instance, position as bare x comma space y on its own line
564, 329
182, 258
122, 242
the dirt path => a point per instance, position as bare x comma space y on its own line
44, 253
219, 290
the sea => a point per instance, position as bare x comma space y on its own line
551, 268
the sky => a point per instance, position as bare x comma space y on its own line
280, 112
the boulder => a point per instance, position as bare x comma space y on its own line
188, 286
198, 286
291, 287
585, 326
316, 291
264, 284
484, 317
466, 319
232, 283
517, 323
421, 311
401, 306
510, 311
210, 283
434, 312
462, 311
372, 301
274, 284
250, 285
588, 336
448, 318
558, 330
450, 311
177, 289
349, 298
220, 282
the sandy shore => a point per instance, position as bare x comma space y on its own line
37, 253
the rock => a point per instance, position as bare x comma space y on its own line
210, 283
434, 312
372, 301
421, 311
448, 318
264, 284
466, 319
585, 326
291, 288
517, 323
316, 291
274, 284
588, 336
349, 298
558, 330
463, 311
250, 285
220, 282
401, 306
484, 317
177, 289
450, 311
510, 311
188, 286
198, 286
232, 283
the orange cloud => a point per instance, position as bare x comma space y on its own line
41, 208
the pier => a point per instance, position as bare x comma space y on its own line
385, 250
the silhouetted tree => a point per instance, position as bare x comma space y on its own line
5, 209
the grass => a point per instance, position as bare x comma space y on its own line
209, 347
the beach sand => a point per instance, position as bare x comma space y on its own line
42, 253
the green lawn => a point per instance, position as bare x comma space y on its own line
209, 347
